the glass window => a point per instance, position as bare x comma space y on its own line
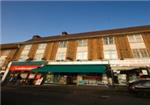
38, 56
40, 51
27, 47
110, 54
63, 44
24, 53
139, 53
135, 38
82, 43
60, 56
81, 55
108, 40
41, 46
147, 84
23, 57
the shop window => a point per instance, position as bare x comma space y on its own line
110, 54
63, 44
135, 38
82, 43
81, 55
140, 53
107, 40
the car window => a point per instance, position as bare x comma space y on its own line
147, 84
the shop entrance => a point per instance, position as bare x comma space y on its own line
71, 80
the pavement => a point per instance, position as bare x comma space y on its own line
69, 95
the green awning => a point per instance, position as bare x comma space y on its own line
29, 63
82, 68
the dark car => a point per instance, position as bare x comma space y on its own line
140, 87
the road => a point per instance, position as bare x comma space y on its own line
68, 95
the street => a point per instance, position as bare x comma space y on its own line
68, 95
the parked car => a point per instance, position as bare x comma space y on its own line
140, 87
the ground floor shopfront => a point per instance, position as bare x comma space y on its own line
83, 74
20, 72
125, 76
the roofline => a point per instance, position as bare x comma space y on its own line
85, 35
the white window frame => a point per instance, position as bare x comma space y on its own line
110, 54
61, 56
82, 55
63, 44
137, 53
82, 43
136, 38
40, 51
25, 52
108, 40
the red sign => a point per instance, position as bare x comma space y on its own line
38, 76
23, 67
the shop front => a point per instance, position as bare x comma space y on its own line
123, 77
77, 74
20, 72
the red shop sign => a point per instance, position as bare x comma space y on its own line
23, 67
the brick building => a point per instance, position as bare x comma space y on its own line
89, 58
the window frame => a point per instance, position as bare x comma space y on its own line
108, 40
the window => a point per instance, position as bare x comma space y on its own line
38, 56
62, 44
108, 40
110, 54
41, 46
82, 43
139, 53
81, 55
27, 47
135, 38
60, 56
40, 51
24, 53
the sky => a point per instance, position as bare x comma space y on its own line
21, 20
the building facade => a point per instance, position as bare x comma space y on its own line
122, 55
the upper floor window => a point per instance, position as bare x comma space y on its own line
60, 56
41, 46
110, 54
82, 55
108, 40
82, 43
135, 38
27, 47
40, 51
140, 53
24, 53
63, 44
